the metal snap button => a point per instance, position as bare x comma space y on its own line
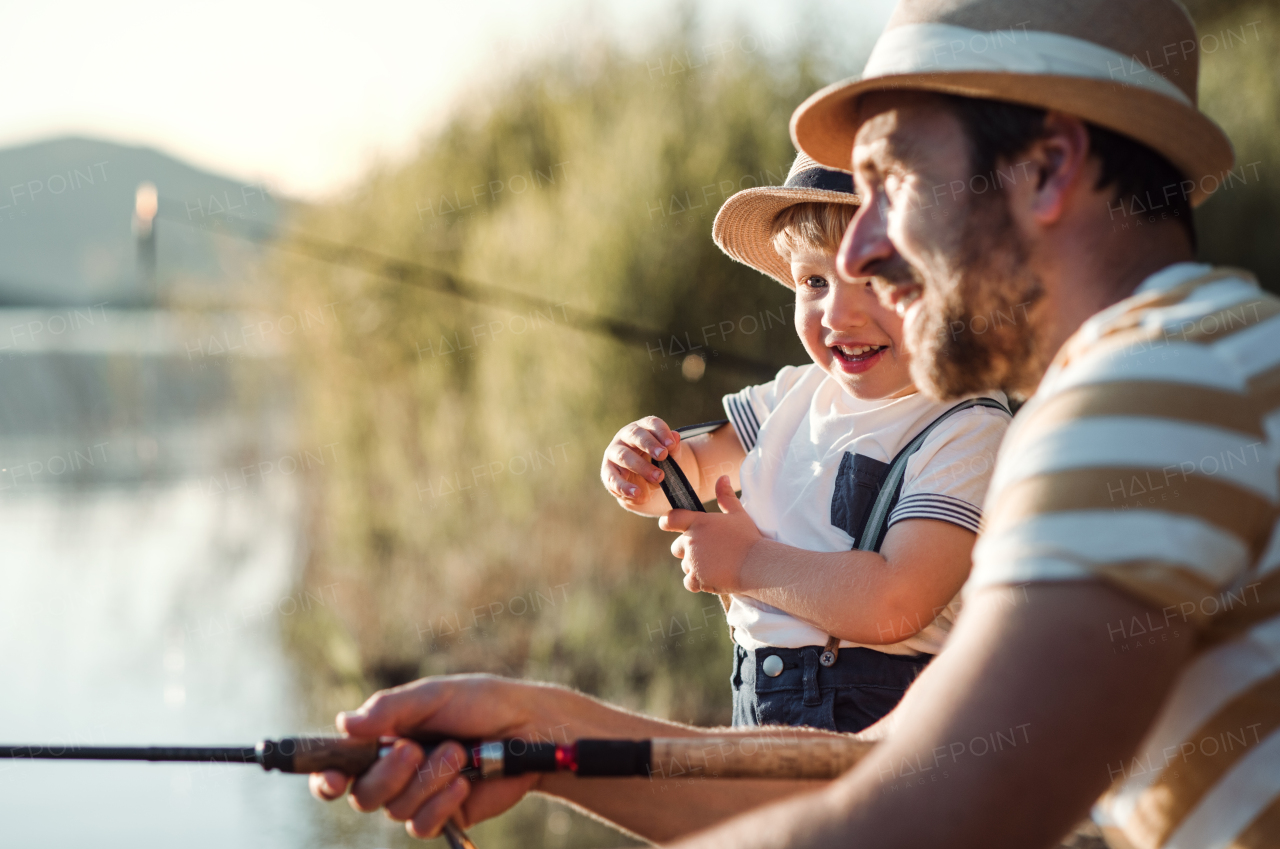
772, 666
828, 658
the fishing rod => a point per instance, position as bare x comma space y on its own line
289, 754
777, 756
786, 756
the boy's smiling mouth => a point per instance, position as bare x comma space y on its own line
855, 359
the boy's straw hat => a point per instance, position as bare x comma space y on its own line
1130, 66
744, 225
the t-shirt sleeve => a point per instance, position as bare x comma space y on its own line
748, 408
947, 478
1157, 479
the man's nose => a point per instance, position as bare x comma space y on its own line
866, 242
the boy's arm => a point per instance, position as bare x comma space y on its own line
714, 454
885, 598
862, 596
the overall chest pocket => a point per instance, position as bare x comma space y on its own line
857, 484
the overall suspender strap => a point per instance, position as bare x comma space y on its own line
873, 532
872, 536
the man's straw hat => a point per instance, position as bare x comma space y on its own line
744, 225
1130, 66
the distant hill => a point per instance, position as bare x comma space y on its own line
66, 237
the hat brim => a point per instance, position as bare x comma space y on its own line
824, 126
744, 225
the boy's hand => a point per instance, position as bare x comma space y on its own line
627, 470
712, 547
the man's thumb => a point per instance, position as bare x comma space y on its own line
725, 497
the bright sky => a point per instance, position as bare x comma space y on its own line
303, 95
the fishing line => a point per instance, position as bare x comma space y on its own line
438, 280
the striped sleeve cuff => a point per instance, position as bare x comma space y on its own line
944, 508
742, 415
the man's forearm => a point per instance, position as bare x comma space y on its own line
661, 809
1005, 740
653, 808
668, 809
407, 782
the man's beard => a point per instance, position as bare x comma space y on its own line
974, 331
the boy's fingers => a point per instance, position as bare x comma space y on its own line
679, 548
645, 441
624, 484
726, 498
693, 582
677, 521
668, 437
626, 457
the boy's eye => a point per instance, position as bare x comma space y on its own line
816, 282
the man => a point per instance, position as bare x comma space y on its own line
1026, 178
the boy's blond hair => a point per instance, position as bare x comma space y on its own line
817, 226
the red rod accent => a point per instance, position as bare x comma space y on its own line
567, 758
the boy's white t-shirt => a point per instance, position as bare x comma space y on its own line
797, 430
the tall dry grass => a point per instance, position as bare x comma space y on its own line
463, 522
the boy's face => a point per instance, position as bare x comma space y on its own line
847, 331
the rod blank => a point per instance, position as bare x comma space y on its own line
228, 754
290, 754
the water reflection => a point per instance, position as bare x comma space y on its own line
140, 599
147, 614
152, 515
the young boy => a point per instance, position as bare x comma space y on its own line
830, 629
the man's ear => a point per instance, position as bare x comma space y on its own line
1052, 171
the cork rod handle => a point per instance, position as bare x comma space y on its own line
755, 757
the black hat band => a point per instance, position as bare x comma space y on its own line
821, 178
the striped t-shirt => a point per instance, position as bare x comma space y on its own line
1150, 459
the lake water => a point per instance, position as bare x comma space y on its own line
147, 615
140, 599
152, 507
